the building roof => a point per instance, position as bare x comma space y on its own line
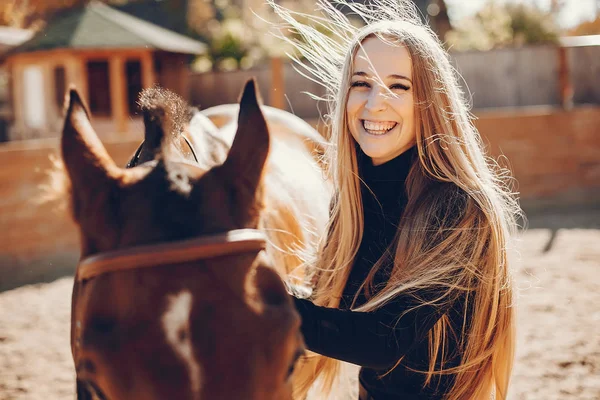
169, 14
98, 26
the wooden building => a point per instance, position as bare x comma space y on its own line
9, 38
108, 55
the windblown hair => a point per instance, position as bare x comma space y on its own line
455, 231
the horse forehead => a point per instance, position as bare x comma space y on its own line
176, 327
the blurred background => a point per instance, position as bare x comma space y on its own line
531, 69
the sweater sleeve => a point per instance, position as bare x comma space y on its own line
376, 339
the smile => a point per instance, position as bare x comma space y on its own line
378, 127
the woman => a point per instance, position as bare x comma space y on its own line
412, 282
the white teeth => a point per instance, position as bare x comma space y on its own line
378, 127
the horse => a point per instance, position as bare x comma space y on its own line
293, 179
174, 295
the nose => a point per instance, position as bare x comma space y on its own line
377, 100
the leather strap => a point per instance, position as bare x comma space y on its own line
134, 160
231, 242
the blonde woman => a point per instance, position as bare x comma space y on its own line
413, 282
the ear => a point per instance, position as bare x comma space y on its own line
90, 168
248, 154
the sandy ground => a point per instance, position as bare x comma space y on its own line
558, 355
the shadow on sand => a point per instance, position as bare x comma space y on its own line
555, 218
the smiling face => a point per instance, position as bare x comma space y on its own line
380, 108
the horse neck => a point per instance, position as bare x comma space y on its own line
207, 141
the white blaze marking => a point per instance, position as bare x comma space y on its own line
176, 323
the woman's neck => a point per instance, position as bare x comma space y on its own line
394, 170
378, 161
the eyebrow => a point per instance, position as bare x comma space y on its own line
394, 76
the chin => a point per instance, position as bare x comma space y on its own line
373, 153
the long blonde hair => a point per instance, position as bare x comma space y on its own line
460, 215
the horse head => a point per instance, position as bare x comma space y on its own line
173, 297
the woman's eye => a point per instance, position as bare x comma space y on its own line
399, 86
360, 84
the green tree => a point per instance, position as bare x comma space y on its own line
530, 25
502, 25
31, 14
220, 24
237, 32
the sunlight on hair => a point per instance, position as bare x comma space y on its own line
457, 229
166, 106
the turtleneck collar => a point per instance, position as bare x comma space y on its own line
384, 198
395, 170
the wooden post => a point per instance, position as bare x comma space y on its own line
148, 73
277, 98
185, 87
564, 79
76, 74
52, 112
118, 94
16, 71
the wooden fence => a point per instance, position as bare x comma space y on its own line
510, 77
584, 62
214, 88
554, 155
38, 240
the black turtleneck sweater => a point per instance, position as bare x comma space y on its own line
377, 340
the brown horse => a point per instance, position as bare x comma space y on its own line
173, 297
296, 198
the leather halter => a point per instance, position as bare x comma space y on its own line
134, 160
145, 256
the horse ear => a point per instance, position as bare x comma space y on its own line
86, 160
247, 156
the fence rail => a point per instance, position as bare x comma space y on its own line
510, 77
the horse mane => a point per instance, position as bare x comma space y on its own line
166, 108
291, 219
